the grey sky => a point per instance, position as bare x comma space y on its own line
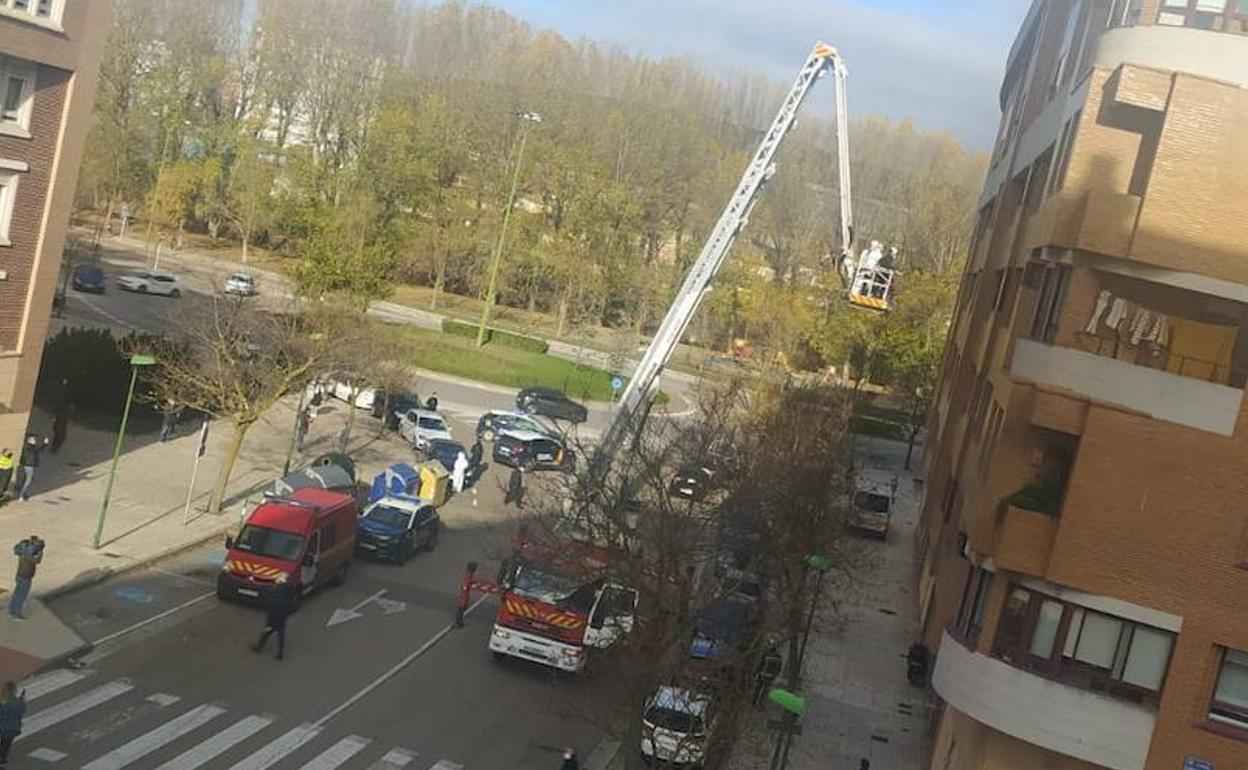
938, 62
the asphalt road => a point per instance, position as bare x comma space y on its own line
395, 681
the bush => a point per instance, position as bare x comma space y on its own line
93, 368
510, 339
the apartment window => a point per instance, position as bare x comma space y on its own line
1125, 13
1057, 176
1053, 284
8, 196
970, 619
48, 11
1085, 648
17, 89
1063, 56
1217, 15
1230, 696
990, 438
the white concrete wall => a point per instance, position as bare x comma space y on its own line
1095, 728
1194, 403
1215, 55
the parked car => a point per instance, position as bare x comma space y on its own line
532, 451
151, 282
240, 285
551, 403
869, 511
497, 421
396, 527
676, 726
393, 405
420, 426
692, 482
88, 278
723, 627
444, 450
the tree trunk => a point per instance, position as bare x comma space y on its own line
355, 393
245, 238
227, 466
562, 323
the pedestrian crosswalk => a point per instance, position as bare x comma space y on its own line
188, 735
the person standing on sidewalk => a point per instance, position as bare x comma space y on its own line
515, 488
570, 762
7, 461
60, 426
169, 418
30, 461
12, 710
279, 605
29, 553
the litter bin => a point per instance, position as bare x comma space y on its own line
435, 480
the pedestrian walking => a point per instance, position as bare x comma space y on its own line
474, 458
431, 403
570, 761
12, 710
60, 427
515, 488
7, 461
30, 461
768, 669
344, 435
168, 419
278, 605
459, 473
301, 428
29, 553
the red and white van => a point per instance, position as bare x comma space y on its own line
304, 540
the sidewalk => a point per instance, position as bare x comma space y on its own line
145, 516
858, 703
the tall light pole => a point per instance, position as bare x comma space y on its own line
137, 361
496, 260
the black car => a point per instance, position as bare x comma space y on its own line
398, 402
551, 403
692, 482
88, 278
532, 451
395, 528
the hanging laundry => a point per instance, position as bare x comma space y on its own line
1117, 312
1143, 321
1159, 333
1102, 302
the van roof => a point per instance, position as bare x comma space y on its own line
287, 513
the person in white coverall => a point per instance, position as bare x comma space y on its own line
460, 472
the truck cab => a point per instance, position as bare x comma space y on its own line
304, 541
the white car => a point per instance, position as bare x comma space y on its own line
364, 398
240, 285
676, 725
420, 426
151, 282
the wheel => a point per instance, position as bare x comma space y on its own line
497, 656
142, 289
340, 576
175, 293
433, 539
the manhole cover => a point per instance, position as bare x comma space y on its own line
887, 611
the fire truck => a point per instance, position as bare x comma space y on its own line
555, 603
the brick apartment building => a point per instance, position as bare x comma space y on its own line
1084, 542
49, 59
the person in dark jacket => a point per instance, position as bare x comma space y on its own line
474, 458
12, 710
570, 761
30, 461
278, 605
515, 488
29, 553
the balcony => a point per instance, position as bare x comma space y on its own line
1096, 220
1157, 393
1095, 728
1025, 540
1199, 52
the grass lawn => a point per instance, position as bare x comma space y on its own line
870, 419
502, 365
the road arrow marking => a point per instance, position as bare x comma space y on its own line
388, 607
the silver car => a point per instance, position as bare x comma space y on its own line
151, 282
240, 285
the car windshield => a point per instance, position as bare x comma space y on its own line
272, 543
431, 423
393, 517
544, 586
870, 501
89, 271
674, 720
241, 278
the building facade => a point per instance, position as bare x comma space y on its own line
49, 60
1084, 540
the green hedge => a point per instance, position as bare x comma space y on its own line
510, 339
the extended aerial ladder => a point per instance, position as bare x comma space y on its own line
640, 391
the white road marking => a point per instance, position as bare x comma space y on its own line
393, 760
163, 699
52, 681
337, 754
218, 744
152, 740
68, 709
101, 311
47, 755
443, 764
277, 749
388, 607
396, 668
153, 619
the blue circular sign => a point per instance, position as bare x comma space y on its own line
617, 383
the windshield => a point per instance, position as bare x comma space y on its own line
431, 423
543, 586
272, 543
671, 719
394, 517
872, 502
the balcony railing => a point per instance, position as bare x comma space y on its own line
1025, 540
1185, 366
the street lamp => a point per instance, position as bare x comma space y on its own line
137, 361
821, 565
794, 707
496, 259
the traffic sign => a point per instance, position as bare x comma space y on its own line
617, 383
